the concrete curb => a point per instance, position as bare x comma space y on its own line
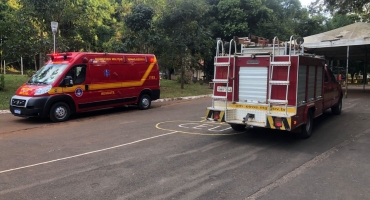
181, 98
158, 100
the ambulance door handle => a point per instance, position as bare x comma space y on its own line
86, 87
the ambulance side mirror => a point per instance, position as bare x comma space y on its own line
68, 82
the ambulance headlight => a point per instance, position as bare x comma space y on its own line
43, 90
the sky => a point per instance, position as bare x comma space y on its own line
305, 3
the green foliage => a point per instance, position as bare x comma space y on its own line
12, 83
2, 82
348, 6
187, 37
339, 20
30, 72
180, 33
194, 80
140, 18
187, 78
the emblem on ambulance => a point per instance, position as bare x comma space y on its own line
78, 92
106, 73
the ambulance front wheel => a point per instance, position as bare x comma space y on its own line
59, 112
144, 102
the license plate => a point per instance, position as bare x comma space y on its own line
223, 89
17, 111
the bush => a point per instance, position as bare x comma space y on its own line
187, 78
201, 82
2, 82
195, 80
30, 72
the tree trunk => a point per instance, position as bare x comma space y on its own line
34, 57
182, 77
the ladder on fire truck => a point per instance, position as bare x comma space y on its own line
227, 64
286, 82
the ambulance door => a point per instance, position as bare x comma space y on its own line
119, 77
102, 84
79, 91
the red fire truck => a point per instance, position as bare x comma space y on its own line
79, 81
274, 86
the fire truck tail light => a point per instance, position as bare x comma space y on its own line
278, 122
151, 60
216, 115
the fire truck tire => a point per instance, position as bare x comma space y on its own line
336, 110
238, 127
144, 102
59, 112
306, 129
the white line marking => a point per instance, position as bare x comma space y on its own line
87, 153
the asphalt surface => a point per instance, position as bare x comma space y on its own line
169, 152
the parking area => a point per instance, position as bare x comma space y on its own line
171, 152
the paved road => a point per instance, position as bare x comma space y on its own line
168, 152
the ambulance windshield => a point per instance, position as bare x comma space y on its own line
48, 74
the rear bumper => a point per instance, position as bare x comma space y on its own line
266, 120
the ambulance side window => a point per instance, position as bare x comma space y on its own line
80, 74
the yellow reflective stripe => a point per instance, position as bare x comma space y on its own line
107, 85
221, 117
289, 122
271, 122
262, 107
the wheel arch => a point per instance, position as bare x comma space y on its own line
309, 108
145, 91
60, 98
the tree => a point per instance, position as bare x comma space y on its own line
187, 38
140, 37
349, 6
340, 20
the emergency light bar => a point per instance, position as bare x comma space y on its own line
58, 55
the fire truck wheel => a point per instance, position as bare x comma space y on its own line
144, 102
336, 110
59, 112
306, 129
238, 127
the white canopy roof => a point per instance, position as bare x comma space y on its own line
333, 44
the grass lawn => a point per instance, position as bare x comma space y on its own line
12, 83
169, 89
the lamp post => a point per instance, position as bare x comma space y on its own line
54, 29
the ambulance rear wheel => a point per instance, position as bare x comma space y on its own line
144, 102
238, 127
59, 112
306, 129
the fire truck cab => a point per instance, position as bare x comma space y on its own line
79, 81
274, 86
